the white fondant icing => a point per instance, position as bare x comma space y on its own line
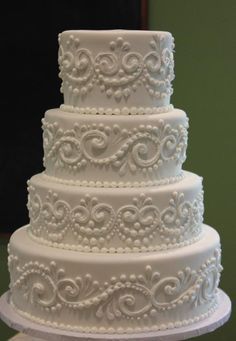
114, 149
115, 69
120, 220
81, 291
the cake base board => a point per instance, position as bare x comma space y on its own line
216, 320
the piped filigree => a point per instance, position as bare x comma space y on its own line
117, 72
119, 297
144, 149
95, 224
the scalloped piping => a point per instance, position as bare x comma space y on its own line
81, 248
83, 69
117, 111
119, 330
114, 184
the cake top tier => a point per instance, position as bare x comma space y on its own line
116, 69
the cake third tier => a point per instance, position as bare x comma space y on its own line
115, 220
115, 150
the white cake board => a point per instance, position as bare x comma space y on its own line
216, 320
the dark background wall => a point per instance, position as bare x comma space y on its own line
30, 83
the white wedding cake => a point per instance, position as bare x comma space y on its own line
116, 241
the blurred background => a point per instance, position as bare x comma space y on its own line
205, 38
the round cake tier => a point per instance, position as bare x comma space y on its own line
130, 293
115, 220
115, 151
116, 69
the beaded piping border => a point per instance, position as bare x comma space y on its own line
114, 184
117, 111
121, 330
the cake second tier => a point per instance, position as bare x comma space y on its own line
115, 151
115, 219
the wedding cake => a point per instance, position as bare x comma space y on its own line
116, 241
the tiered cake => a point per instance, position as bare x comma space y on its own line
116, 242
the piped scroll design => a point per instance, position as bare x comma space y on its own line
144, 148
92, 223
131, 296
117, 72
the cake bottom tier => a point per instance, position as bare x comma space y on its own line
115, 293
